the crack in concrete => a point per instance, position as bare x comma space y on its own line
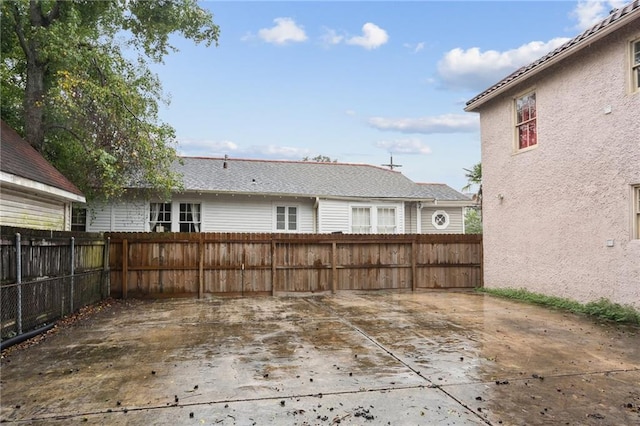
397, 358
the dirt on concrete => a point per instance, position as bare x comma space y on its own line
378, 358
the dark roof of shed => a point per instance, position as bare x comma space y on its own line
19, 158
304, 178
629, 12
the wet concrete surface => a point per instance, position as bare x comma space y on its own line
351, 358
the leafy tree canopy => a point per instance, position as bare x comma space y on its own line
76, 83
474, 178
320, 159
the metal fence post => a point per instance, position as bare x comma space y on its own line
19, 281
73, 246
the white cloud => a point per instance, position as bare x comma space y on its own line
447, 123
277, 152
372, 37
206, 147
415, 48
330, 37
590, 12
286, 30
408, 146
350, 112
473, 69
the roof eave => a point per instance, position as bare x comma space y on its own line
40, 188
472, 107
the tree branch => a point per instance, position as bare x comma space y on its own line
53, 14
18, 28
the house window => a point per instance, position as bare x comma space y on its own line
190, 217
636, 211
386, 220
526, 127
286, 218
79, 219
440, 219
635, 64
361, 220
160, 217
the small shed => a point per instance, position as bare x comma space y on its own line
33, 193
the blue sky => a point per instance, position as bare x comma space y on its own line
357, 81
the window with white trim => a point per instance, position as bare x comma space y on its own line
160, 217
636, 211
190, 217
440, 219
361, 220
386, 220
635, 65
79, 219
286, 218
526, 121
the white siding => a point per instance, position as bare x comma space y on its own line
224, 213
99, 218
456, 220
32, 211
335, 215
410, 218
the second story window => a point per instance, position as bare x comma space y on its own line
635, 65
526, 121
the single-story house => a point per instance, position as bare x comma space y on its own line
33, 193
561, 168
236, 195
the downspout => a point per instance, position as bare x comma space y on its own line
419, 217
316, 215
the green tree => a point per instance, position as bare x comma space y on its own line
472, 221
76, 83
320, 159
474, 178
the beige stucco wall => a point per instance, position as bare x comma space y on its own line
565, 198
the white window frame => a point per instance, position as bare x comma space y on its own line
76, 215
635, 197
525, 122
362, 228
436, 223
287, 217
386, 228
374, 226
196, 217
162, 212
635, 65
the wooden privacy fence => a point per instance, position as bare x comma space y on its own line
173, 264
48, 274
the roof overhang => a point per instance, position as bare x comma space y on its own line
563, 54
18, 182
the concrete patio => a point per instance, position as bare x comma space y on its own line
352, 358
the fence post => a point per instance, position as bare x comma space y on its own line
125, 267
106, 270
413, 266
73, 264
273, 266
334, 267
19, 281
200, 267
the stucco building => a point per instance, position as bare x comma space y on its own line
561, 168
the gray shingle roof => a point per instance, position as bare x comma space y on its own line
302, 178
621, 16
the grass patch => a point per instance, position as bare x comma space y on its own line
603, 308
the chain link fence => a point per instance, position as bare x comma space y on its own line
47, 277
